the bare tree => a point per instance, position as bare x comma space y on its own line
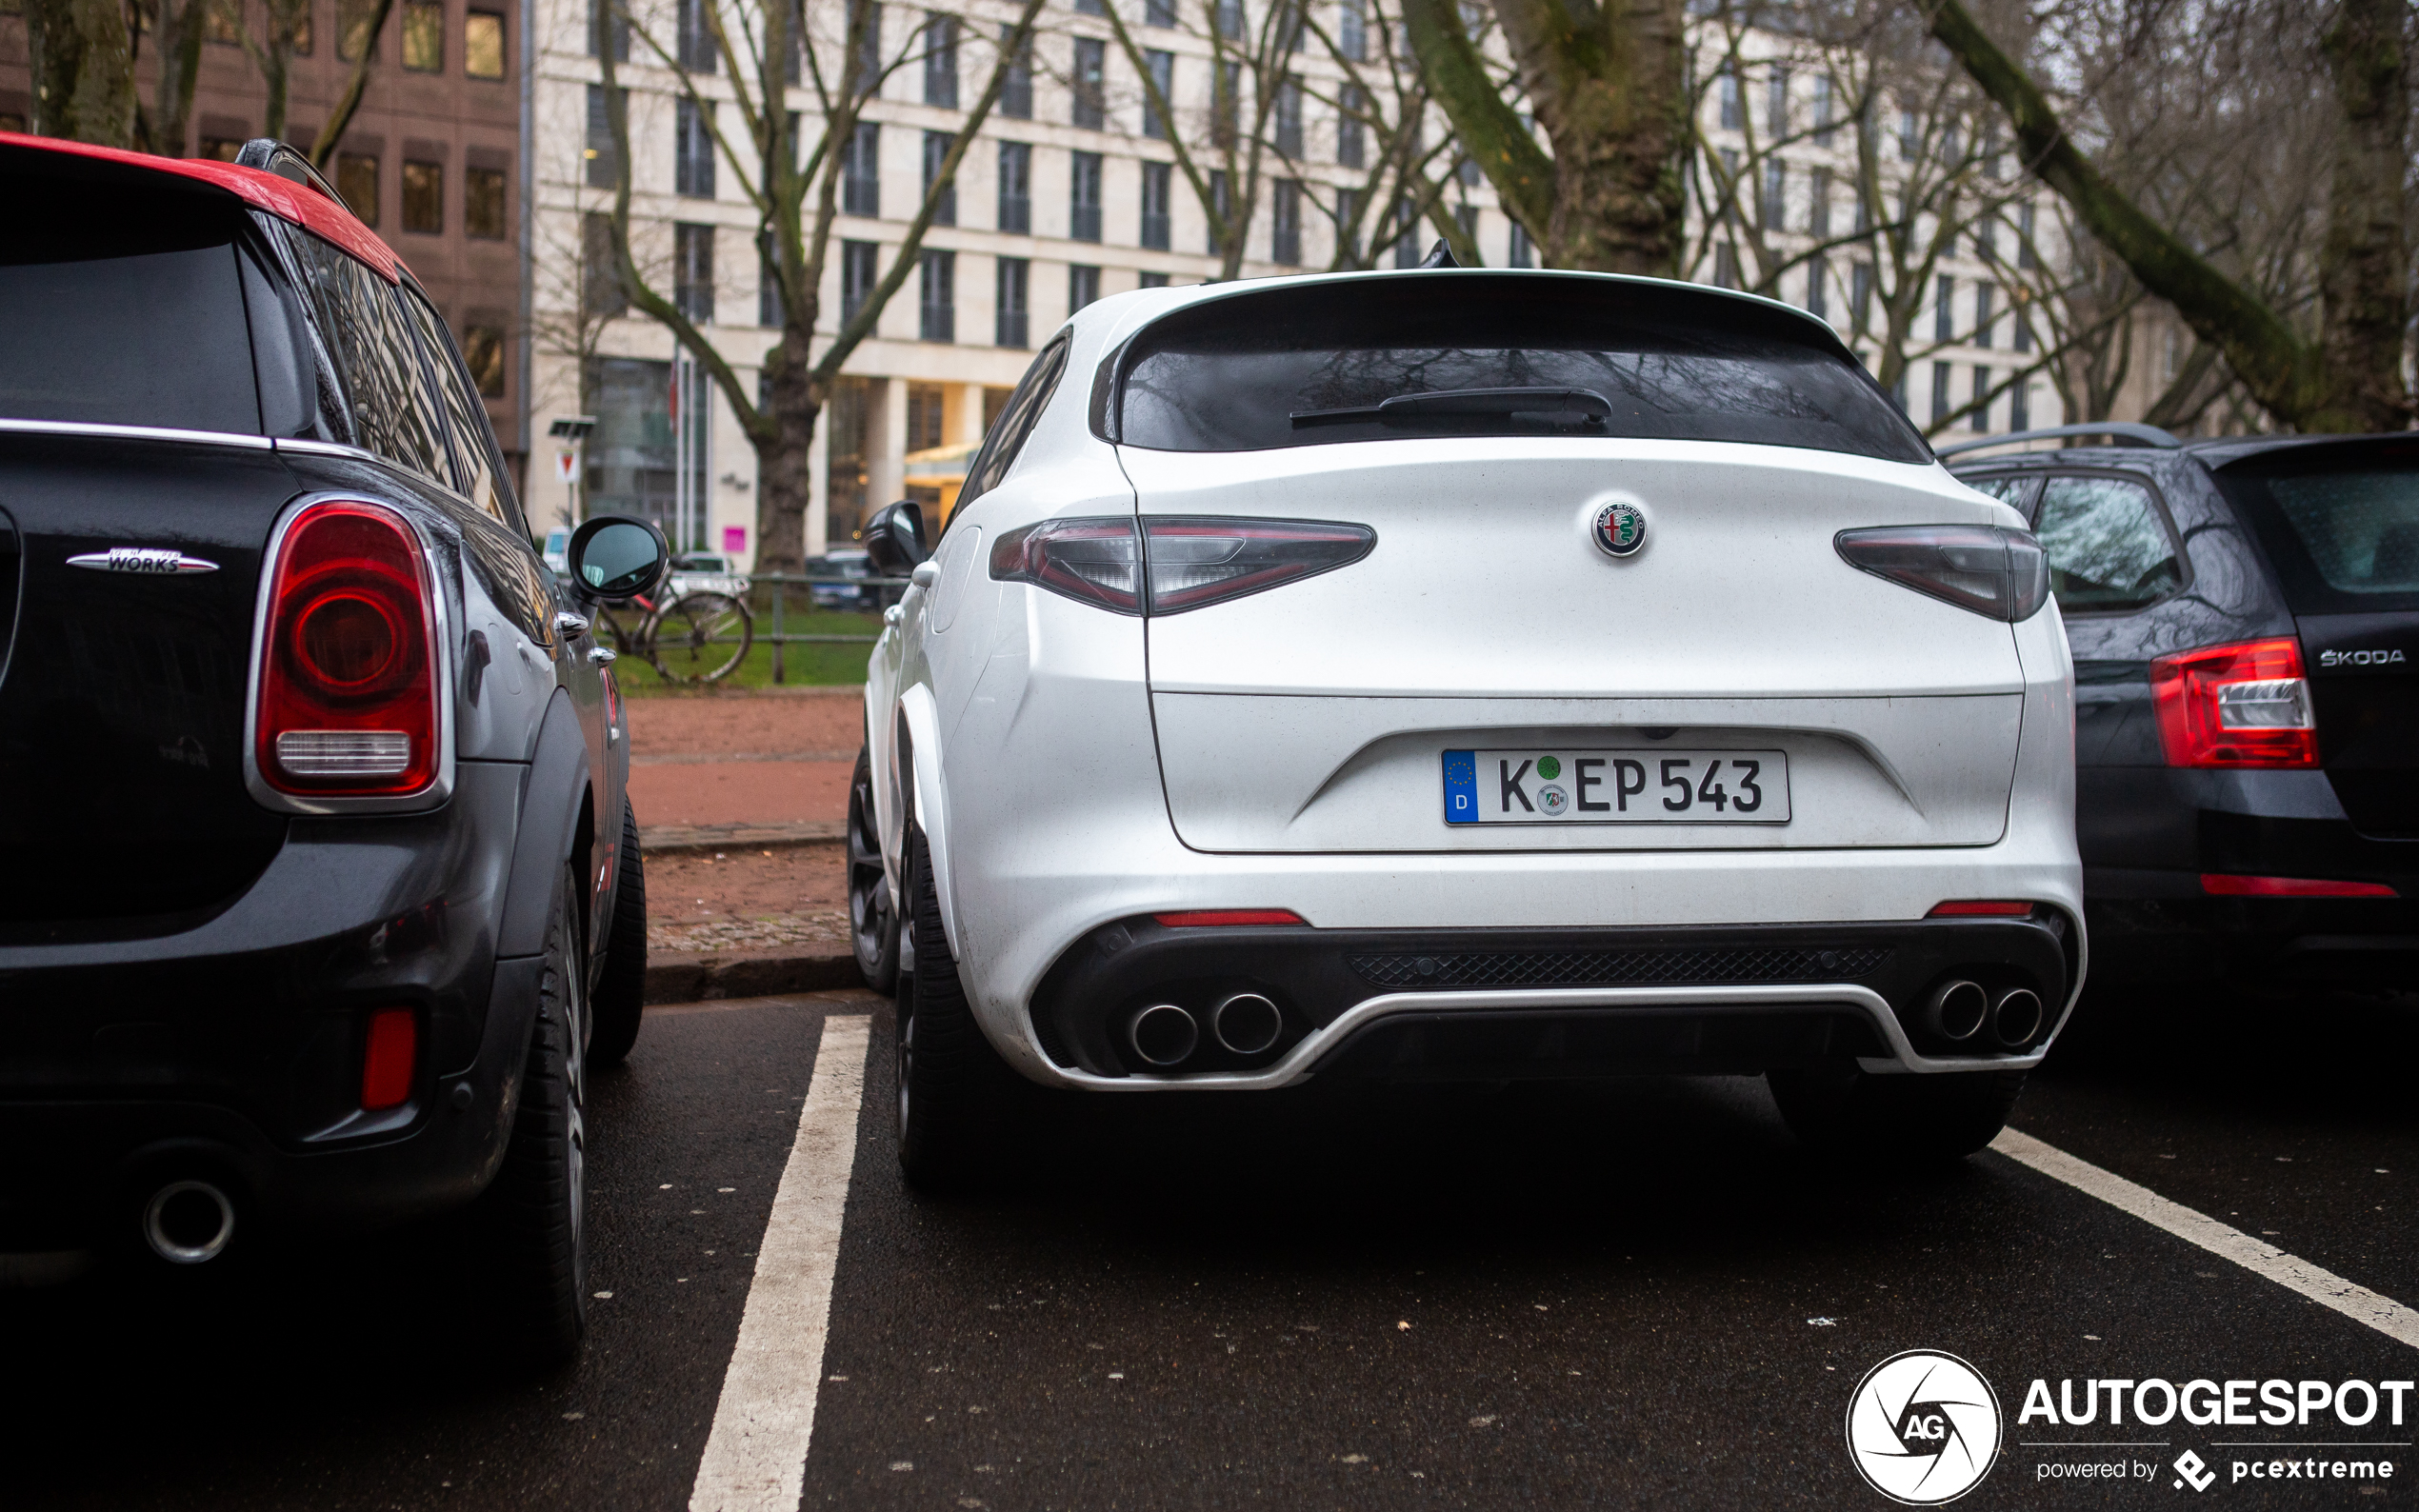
82, 55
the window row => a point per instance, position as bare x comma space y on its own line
1980, 299
1781, 114
486, 205
1770, 199
421, 24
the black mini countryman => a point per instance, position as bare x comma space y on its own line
2245, 620
319, 889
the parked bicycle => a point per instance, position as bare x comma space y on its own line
699, 637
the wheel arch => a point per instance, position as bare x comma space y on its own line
926, 799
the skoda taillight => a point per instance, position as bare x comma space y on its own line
1991, 570
348, 697
1184, 564
2244, 704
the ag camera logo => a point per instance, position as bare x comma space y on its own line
1923, 1427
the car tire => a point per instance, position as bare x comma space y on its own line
951, 1084
873, 924
620, 999
534, 1210
1906, 1121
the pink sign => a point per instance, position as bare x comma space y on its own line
735, 539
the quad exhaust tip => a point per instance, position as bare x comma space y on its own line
2015, 1016
1957, 1009
189, 1222
1163, 1034
1246, 1024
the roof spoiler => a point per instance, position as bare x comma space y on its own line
2123, 432
272, 156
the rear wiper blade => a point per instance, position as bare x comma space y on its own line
1411, 409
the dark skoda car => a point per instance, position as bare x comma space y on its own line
2245, 620
319, 890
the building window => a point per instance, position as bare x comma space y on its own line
869, 51
858, 274
354, 40
1285, 222
1860, 292
1980, 420
357, 183
1985, 317
1016, 89
772, 312
601, 292
1822, 109
1091, 64
1352, 31
940, 60
423, 38
423, 198
1775, 211
1008, 302
1083, 197
2021, 337
483, 45
1777, 103
1911, 135
1220, 207
1229, 14
1083, 286
693, 149
1159, 13
1016, 187
1091, 8
1817, 298
1162, 68
1941, 402
1407, 252
604, 17
937, 298
1157, 185
1727, 87
2020, 406
861, 172
1152, 281
483, 207
694, 36
1226, 97
298, 32
1944, 323
928, 409
2025, 254
482, 353
1522, 253
1725, 265
693, 272
1289, 114
1818, 202
1987, 239
223, 22
937, 156
1351, 150
222, 149
603, 167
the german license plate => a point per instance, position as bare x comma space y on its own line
1650, 787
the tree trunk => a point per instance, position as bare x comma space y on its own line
179, 37
83, 70
2365, 267
784, 472
323, 151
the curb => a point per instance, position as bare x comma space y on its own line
674, 840
681, 977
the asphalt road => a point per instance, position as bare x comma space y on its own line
1602, 1296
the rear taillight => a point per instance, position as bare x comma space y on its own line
2245, 705
1994, 571
1189, 563
348, 687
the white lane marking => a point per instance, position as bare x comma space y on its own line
2353, 1301
756, 1456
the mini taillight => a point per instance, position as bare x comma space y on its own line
2220, 885
2245, 705
1228, 918
1980, 908
390, 1054
1191, 561
349, 687
1991, 570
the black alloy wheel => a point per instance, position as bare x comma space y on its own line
873, 925
620, 1000
535, 1210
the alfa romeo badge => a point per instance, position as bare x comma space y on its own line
1621, 530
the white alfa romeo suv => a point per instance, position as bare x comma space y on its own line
1464, 674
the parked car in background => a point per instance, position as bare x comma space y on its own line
2245, 619
704, 572
860, 593
319, 890
1205, 756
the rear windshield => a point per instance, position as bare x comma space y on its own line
1496, 355
116, 309
2341, 523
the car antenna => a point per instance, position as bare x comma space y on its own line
1439, 256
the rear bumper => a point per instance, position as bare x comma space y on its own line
1490, 1002
234, 1048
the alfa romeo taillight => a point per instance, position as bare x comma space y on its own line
1183, 563
2244, 704
1989, 569
349, 687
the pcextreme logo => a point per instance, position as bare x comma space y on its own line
1923, 1427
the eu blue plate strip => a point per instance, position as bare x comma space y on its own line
1461, 787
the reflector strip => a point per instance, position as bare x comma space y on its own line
1204, 918
386, 1062
2219, 884
1980, 907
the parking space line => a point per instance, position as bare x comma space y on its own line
756, 1455
2355, 1302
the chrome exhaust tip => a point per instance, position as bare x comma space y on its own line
1955, 1009
189, 1222
1246, 1024
2016, 1016
1163, 1034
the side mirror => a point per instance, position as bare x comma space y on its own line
895, 538
617, 557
